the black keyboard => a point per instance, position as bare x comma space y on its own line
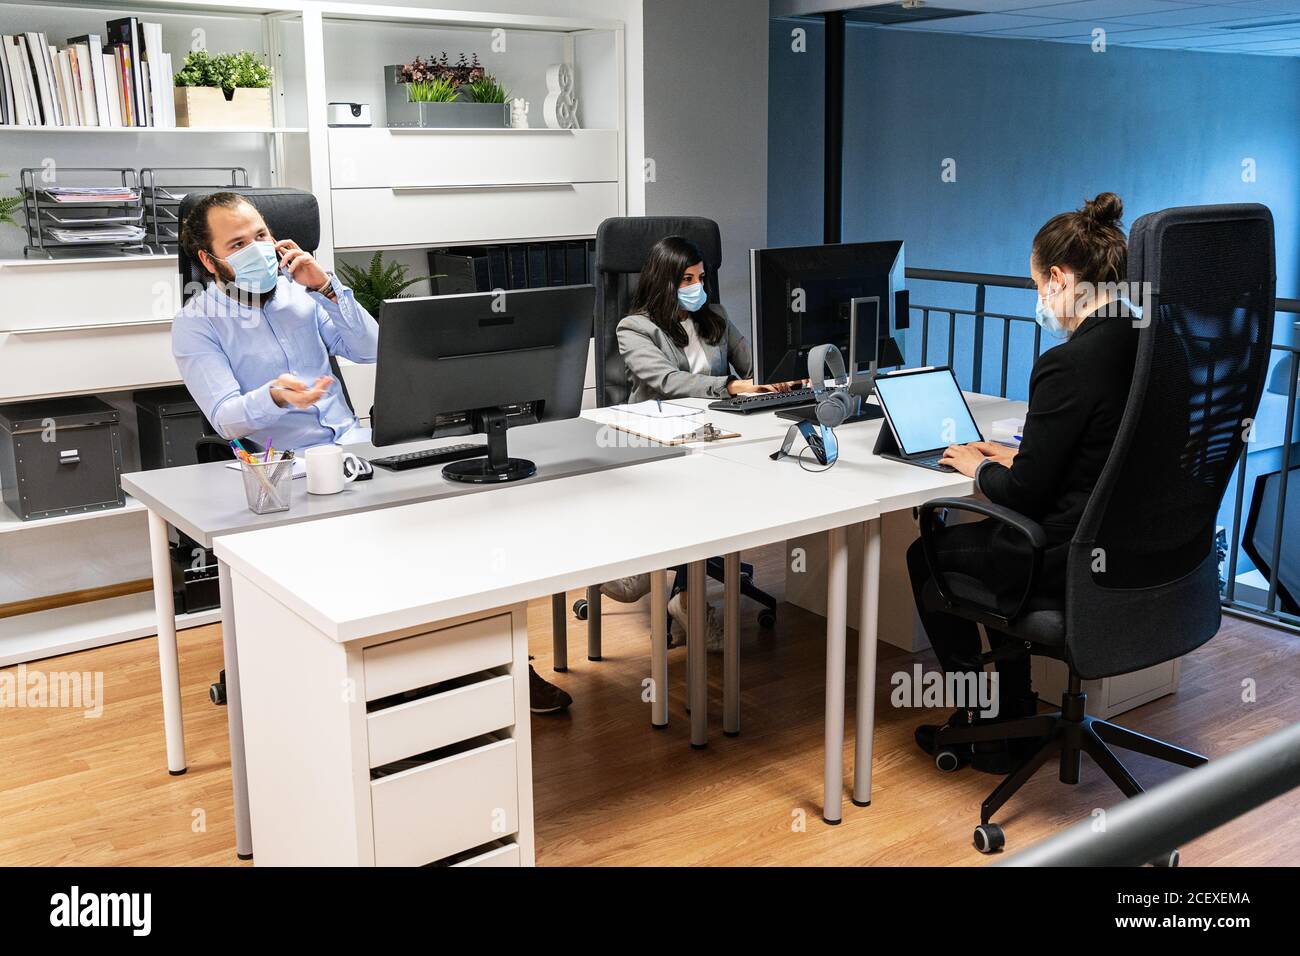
763, 401
430, 456
931, 462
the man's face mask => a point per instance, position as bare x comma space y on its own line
254, 268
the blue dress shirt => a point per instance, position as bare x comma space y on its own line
229, 353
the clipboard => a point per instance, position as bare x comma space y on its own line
670, 431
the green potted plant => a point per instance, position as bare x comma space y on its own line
223, 90
8, 206
373, 285
435, 93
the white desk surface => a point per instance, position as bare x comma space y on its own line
380, 571
893, 485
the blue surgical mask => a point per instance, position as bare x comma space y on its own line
256, 267
1047, 318
693, 297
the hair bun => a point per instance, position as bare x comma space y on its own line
1106, 209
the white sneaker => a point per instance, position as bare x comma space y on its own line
627, 590
713, 632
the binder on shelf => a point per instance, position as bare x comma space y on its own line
517, 266
555, 263
537, 262
575, 263
498, 269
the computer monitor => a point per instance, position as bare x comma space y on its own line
807, 296
463, 364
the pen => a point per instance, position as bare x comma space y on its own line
661, 406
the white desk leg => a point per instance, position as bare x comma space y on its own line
868, 617
659, 649
593, 623
731, 646
168, 659
837, 588
235, 717
696, 604
559, 634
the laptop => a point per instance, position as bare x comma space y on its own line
925, 412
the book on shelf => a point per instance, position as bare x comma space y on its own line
122, 77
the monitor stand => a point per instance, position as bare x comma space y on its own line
498, 467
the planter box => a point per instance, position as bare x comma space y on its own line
206, 107
462, 114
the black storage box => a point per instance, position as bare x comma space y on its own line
60, 456
170, 424
196, 584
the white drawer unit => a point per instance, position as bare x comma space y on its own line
440, 719
436, 657
441, 808
469, 215
363, 158
395, 749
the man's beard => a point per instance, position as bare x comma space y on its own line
225, 277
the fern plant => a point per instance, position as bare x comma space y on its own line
8, 205
380, 281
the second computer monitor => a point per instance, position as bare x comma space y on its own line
805, 296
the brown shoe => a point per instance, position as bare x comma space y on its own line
545, 698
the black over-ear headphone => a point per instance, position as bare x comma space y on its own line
835, 405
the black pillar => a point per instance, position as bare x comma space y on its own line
834, 173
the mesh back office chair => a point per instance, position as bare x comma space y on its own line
290, 214
622, 246
1259, 535
1200, 370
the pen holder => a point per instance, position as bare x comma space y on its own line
268, 486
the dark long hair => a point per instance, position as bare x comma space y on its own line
656, 292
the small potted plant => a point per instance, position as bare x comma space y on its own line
378, 283
223, 90
8, 206
434, 93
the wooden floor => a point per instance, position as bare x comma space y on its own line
609, 790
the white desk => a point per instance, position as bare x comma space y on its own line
439, 565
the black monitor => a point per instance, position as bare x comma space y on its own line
807, 296
464, 364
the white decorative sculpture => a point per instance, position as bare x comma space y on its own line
519, 113
561, 107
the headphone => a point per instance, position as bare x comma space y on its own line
835, 405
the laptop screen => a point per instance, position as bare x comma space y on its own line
927, 410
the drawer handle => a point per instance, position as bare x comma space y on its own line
93, 327
70, 457
399, 190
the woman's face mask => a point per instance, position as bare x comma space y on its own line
1045, 313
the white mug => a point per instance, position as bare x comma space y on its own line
329, 468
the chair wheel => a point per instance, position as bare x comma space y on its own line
217, 694
1170, 859
989, 838
767, 619
948, 760
580, 609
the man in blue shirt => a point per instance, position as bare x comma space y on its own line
254, 346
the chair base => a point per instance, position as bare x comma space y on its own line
1067, 734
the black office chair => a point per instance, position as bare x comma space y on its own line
290, 214
1201, 367
622, 245
1258, 537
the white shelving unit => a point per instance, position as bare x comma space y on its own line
91, 325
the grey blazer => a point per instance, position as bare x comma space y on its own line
657, 368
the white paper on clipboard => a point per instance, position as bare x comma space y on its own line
653, 409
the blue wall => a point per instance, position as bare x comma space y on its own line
1034, 127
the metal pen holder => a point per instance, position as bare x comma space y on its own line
268, 486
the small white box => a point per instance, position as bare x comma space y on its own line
349, 114
1007, 431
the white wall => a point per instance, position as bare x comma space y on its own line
706, 125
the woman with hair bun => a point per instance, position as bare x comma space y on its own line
1077, 394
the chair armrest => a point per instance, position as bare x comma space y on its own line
1027, 527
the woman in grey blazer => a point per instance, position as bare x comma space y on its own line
677, 344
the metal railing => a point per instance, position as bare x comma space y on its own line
1156, 822
1267, 611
